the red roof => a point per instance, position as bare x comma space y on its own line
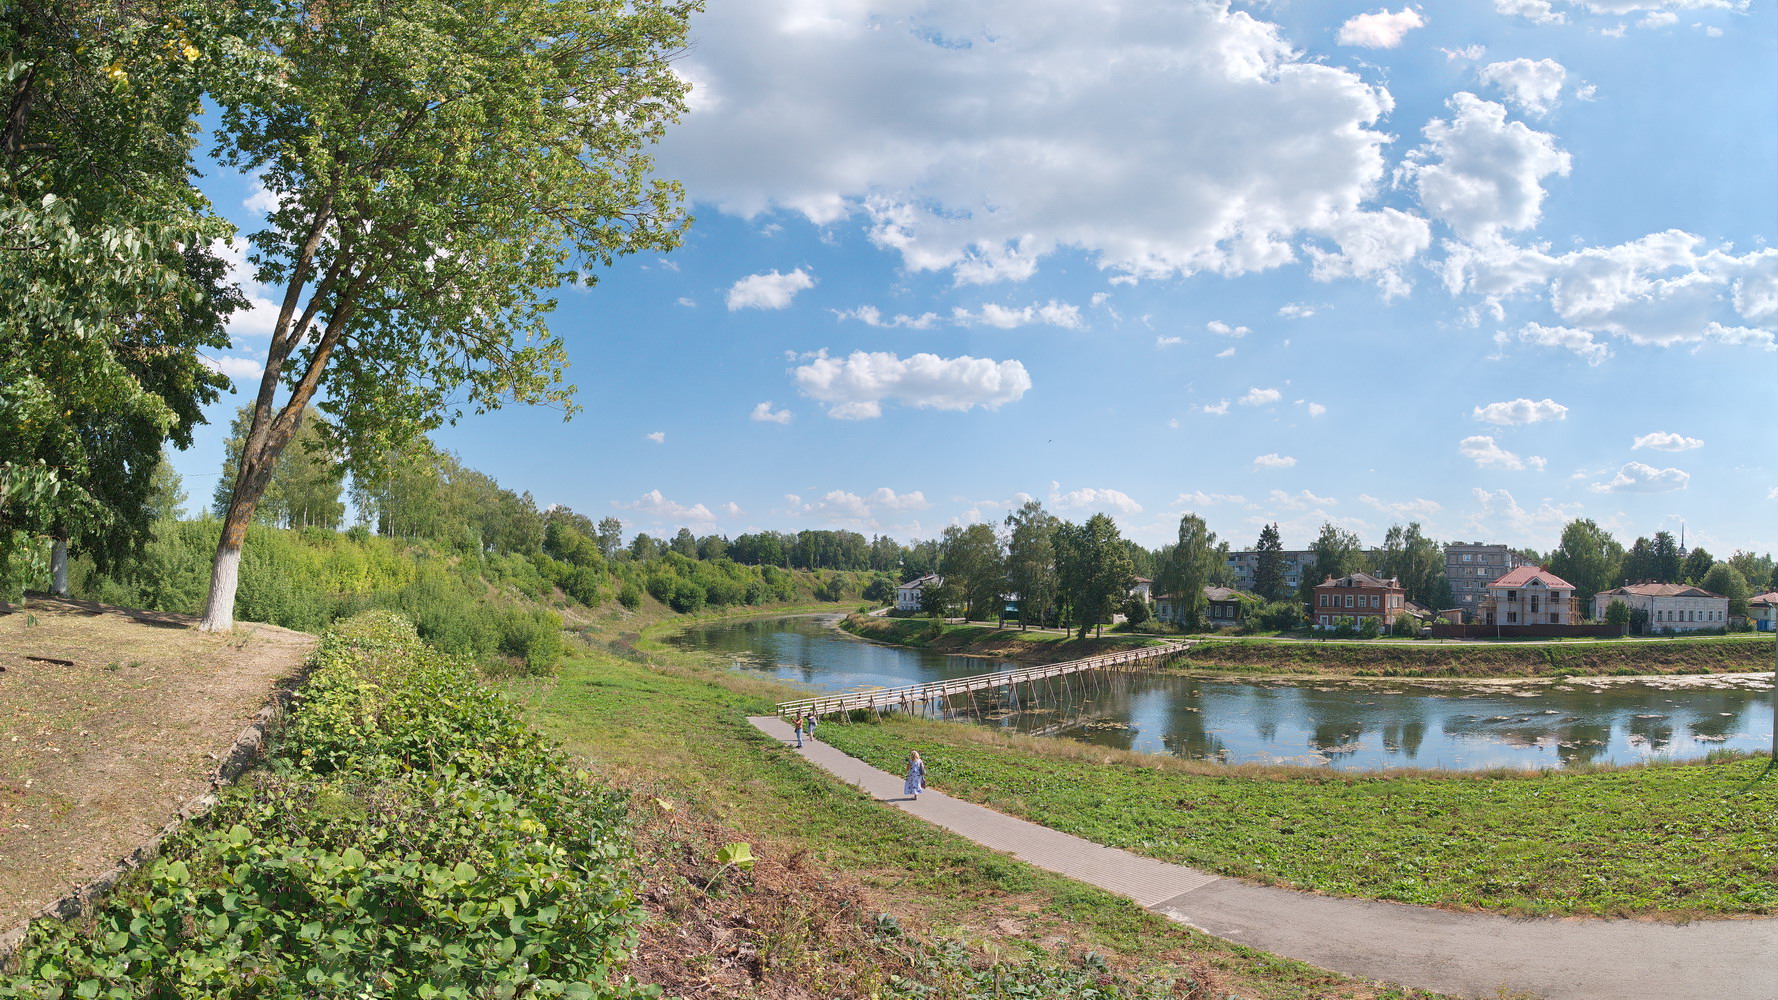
1523, 576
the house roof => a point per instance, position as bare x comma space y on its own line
1359, 580
1665, 590
1524, 576
1768, 598
1210, 593
921, 582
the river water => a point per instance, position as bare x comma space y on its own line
1360, 724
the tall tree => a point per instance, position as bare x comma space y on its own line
304, 490
166, 492
1697, 563
1186, 567
1587, 557
1727, 580
1093, 569
1756, 569
1031, 560
436, 168
611, 536
108, 286
1268, 564
1335, 553
1639, 563
971, 560
1666, 557
684, 543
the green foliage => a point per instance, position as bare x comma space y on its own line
1279, 616
1137, 610
305, 487
1588, 557
1617, 613
971, 560
1093, 569
1726, 580
1268, 569
1370, 626
1406, 625
1187, 567
1031, 561
410, 838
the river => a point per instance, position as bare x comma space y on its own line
1359, 724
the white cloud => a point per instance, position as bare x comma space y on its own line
1468, 53
1168, 341
1772, 494
1662, 289
1099, 500
1273, 460
872, 316
1198, 498
856, 387
658, 437
1501, 516
1417, 507
1522, 411
1667, 441
1295, 310
687, 302
1372, 245
1051, 313
1617, 32
731, 508
974, 165
1219, 408
768, 291
1303, 500
260, 317
1260, 397
1659, 19
1227, 352
261, 200
233, 367
764, 413
1481, 173
1316, 409
1381, 30
659, 509
1530, 85
1533, 10
840, 507
1218, 326
1481, 449
1636, 477
1568, 339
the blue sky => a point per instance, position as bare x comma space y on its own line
1486, 265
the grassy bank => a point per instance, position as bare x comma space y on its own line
1021, 646
1724, 654
675, 730
1670, 840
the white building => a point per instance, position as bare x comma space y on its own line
907, 596
1143, 588
1530, 596
1676, 607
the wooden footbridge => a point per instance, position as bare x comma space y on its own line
918, 697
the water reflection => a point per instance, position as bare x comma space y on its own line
1360, 724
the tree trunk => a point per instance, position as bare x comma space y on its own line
58, 567
251, 480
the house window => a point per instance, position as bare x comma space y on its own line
1512, 617
1553, 618
1466, 557
1324, 600
1348, 600
1512, 595
1534, 604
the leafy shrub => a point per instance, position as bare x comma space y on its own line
630, 596
410, 838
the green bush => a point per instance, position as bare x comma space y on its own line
410, 838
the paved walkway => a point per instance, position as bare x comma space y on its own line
1459, 954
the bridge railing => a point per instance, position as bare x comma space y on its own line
889, 697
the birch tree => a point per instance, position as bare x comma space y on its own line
438, 169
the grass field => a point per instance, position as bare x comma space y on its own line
1676, 841
676, 731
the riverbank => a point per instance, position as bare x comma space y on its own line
1669, 841
671, 726
1309, 658
1030, 647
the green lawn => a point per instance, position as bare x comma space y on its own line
677, 729
1676, 840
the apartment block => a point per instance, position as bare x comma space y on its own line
1470, 567
1245, 564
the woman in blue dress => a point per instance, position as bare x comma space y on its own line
916, 782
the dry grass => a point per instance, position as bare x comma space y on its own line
109, 720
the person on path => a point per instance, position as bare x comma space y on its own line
799, 731
814, 720
916, 782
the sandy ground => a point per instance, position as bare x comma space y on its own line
110, 720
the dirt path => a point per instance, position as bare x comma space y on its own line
110, 720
